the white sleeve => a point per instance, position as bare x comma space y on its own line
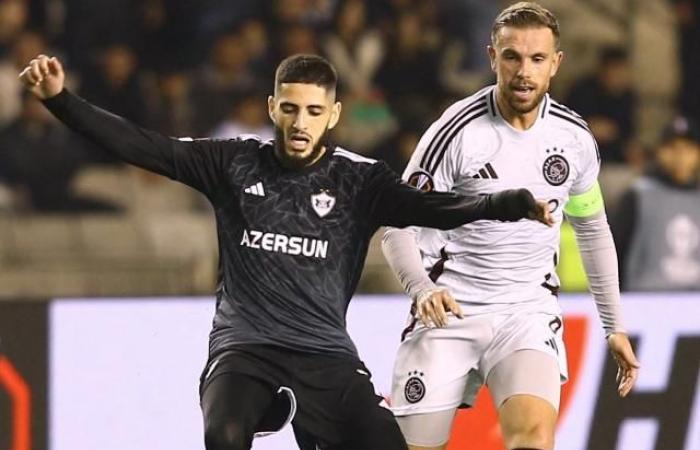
599, 258
588, 165
433, 167
403, 255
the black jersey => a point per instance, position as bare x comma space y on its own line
291, 243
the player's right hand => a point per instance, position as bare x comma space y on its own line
432, 307
515, 204
43, 77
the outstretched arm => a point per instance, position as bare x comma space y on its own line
196, 163
395, 203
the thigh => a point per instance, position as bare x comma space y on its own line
232, 406
514, 333
525, 387
430, 430
339, 407
435, 366
526, 372
371, 424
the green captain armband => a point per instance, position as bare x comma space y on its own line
587, 204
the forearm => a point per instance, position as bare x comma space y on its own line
599, 257
404, 258
143, 148
444, 210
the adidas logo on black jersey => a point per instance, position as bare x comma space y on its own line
486, 172
256, 189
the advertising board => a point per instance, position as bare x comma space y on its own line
124, 374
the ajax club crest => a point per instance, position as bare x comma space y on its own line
322, 203
556, 170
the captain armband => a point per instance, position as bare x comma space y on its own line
587, 204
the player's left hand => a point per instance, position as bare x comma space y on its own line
627, 364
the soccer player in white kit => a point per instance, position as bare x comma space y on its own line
484, 295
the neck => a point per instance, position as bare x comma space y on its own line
518, 120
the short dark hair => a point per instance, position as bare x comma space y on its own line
524, 15
309, 69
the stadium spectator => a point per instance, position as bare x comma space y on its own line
24, 46
658, 226
40, 158
688, 18
411, 98
248, 116
13, 19
173, 111
225, 76
608, 102
117, 84
355, 48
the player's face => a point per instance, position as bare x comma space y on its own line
524, 60
302, 113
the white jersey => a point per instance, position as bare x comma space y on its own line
493, 266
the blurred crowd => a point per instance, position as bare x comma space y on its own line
204, 68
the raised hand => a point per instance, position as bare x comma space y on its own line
43, 77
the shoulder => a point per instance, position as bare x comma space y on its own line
470, 114
351, 158
463, 112
566, 121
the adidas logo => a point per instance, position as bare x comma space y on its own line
486, 172
256, 189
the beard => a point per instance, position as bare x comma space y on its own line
295, 161
524, 108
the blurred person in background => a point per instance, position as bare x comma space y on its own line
657, 230
298, 39
226, 74
355, 48
688, 19
117, 84
608, 102
408, 75
39, 158
24, 46
13, 19
257, 40
173, 110
248, 116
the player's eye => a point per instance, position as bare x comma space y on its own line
288, 109
315, 111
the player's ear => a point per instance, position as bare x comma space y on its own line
558, 57
492, 57
335, 115
271, 108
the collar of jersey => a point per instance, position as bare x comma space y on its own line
507, 128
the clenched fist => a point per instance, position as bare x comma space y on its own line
43, 77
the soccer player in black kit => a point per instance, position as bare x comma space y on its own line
294, 216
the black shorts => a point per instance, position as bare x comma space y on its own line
335, 399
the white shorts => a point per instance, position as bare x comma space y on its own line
444, 368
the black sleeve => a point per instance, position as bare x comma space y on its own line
622, 226
395, 203
200, 163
